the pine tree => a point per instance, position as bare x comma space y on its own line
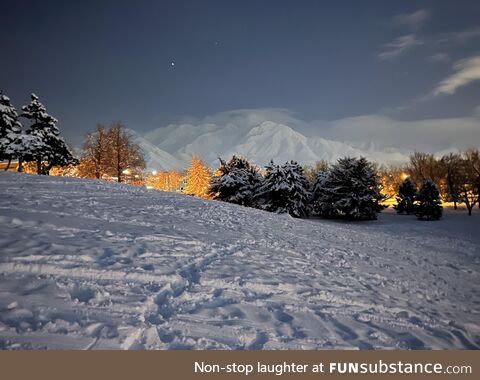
350, 189
48, 148
284, 189
406, 197
321, 199
10, 130
197, 179
235, 182
429, 205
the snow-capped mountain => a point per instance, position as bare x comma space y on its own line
173, 147
156, 158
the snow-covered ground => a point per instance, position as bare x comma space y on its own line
90, 264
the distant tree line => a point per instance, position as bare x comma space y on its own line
456, 176
39, 141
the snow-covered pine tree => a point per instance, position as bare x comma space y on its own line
350, 189
429, 205
48, 147
235, 181
406, 197
321, 200
284, 189
10, 129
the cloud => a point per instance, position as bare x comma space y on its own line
460, 37
398, 47
466, 71
476, 111
413, 21
430, 135
439, 57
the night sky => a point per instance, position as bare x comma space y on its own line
323, 63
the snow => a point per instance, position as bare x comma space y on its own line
88, 264
258, 141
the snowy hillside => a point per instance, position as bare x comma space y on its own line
90, 264
258, 142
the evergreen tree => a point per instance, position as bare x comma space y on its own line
197, 179
10, 130
48, 147
284, 189
235, 181
406, 197
350, 189
429, 205
321, 200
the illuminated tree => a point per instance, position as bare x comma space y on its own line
391, 177
125, 157
452, 168
425, 166
197, 179
164, 181
111, 152
469, 188
95, 157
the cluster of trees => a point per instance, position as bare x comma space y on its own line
425, 203
456, 176
39, 142
164, 180
349, 189
110, 152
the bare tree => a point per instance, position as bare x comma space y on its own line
95, 158
311, 171
110, 152
470, 188
423, 166
452, 168
391, 177
125, 156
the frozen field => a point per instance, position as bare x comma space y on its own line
89, 265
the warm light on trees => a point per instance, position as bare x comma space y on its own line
111, 153
95, 154
390, 178
197, 179
164, 181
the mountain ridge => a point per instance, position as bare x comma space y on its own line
172, 147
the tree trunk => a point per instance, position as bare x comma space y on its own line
454, 205
47, 169
20, 165
39, 166
8, 165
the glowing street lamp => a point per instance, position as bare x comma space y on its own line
404, 176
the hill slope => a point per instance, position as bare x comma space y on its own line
91, 264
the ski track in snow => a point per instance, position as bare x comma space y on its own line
94, 265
